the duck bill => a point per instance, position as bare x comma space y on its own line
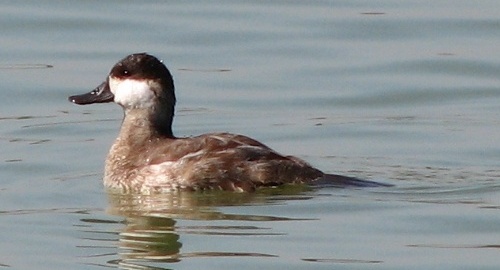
101, 94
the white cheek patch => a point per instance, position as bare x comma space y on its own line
132, 93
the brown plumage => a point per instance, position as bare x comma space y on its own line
146, 157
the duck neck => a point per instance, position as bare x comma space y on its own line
145, 124
161, 121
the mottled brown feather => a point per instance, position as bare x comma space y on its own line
146, 157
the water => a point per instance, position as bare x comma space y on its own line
404, 92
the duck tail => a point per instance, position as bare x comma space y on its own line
341, 181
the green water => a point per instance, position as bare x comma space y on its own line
401, 92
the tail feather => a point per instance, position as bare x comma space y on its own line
335, 180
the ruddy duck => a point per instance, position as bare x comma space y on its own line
147, 157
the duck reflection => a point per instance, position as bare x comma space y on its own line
151, 236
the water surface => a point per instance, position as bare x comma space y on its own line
400, 92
